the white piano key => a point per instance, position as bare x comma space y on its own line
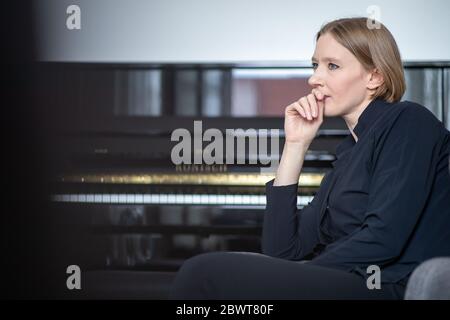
196, 198
131, 198
171, 199
97, 198
179, 198
163, 198
147, 198
238, 199
188, 198
246, 199
306, 200
204, 199
105, 198
122, 198
221, 199
254, 199
213, 199
114, 198
139, 198
262, 199
229, 199
154, 198
90, 198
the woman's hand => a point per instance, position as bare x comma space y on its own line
303, 118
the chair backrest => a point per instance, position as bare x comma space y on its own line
430, 280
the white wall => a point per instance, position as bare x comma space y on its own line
226, 30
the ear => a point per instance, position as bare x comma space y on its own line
375, 80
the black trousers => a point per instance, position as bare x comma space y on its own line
236, 275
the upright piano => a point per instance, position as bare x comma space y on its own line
127, 210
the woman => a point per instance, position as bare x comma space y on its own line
385, 205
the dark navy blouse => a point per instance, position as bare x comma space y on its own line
386, 202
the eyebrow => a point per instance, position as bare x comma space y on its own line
327, 59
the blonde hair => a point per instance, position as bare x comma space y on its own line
374, 48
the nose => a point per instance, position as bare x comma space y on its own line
315, 80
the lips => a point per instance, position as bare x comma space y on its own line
324, 96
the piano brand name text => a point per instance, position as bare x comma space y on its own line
234, 146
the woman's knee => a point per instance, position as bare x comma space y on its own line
192, 278
194, 266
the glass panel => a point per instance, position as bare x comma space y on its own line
186, 92
424, 86
231, 92
213, 104
137, 93
446, 95
266, 92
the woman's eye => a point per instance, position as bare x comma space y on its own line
332, 66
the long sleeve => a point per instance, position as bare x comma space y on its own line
404, 162
289, 233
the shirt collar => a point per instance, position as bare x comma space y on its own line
373, 110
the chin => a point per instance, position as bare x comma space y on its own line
330, 113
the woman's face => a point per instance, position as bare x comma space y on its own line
339, 76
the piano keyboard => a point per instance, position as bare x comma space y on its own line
172, 199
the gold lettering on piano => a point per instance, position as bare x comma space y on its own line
194, 178
200, 168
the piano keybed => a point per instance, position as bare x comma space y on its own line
175, 189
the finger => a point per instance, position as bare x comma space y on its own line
320, 103
312, 102
300, 109
305, 105
318, 94
321, 107
295, 109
